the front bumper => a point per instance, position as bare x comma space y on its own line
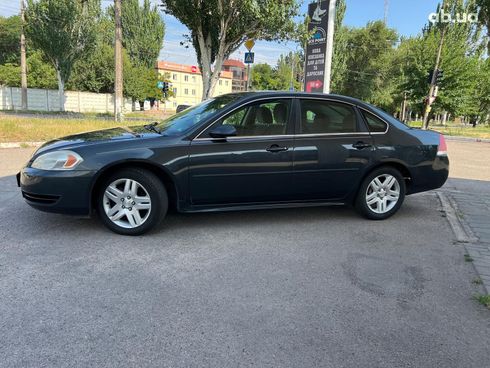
65, 192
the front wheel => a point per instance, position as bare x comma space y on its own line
132, 201
381, 194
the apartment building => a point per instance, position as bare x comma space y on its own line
186, 83
239, 74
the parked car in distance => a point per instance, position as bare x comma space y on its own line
238, 151
181, 108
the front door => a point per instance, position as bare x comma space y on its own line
255, 166
332, 150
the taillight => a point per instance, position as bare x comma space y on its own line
442, 148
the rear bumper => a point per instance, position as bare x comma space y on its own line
66, 192
430, 176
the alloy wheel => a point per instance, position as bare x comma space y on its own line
383, 193
127, 203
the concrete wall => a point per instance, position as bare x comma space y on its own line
48, 100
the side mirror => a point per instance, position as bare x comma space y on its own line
223, 131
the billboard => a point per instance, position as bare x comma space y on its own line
316, 46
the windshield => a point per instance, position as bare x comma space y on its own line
183, 121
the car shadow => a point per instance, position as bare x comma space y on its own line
12, 203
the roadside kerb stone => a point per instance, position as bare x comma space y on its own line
472, 212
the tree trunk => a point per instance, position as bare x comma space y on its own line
206, 79
61, 90
444, 118
215, 74
209, 76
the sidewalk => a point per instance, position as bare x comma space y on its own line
468, 190
471, 201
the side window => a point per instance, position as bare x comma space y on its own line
323, 117
375, 124
262, 118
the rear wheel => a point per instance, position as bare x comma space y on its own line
381, 194
132, 201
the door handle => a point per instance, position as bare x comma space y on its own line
360, 145
276, 148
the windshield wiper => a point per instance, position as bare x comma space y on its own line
151, 127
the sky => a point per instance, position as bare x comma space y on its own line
406, 16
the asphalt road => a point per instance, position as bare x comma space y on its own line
317, 287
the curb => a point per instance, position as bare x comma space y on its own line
461, 231
464, 234
20, 144
465, 139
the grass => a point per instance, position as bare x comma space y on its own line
46, 126
452, 129
33, 129
483, 299
477, 281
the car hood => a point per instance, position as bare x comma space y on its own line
98, 136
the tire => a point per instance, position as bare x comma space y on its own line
128, 188
391, 192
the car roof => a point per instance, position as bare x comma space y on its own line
259, 94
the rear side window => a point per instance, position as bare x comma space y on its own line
326, 117
375, 124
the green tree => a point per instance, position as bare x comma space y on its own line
10, 75
340, 54
262, 77
40, 73
10, 39
143, 31
95, 72
219, 27
461, 63
286, 71
483, 90
368, 67
140, 84
483, 8
64, 30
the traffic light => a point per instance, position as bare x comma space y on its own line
165, 86
429, 79
439, 76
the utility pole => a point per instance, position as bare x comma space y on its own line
248, 77
329, 49
293, 62
84, 7
23, 63
387, 4
118, 83
433, 81
404, 106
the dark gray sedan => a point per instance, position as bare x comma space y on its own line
236, 152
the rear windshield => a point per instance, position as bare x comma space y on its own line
388, 117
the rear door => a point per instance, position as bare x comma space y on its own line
256, 166
332, 149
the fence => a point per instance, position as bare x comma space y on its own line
48, 100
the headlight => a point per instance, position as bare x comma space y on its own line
58, 160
